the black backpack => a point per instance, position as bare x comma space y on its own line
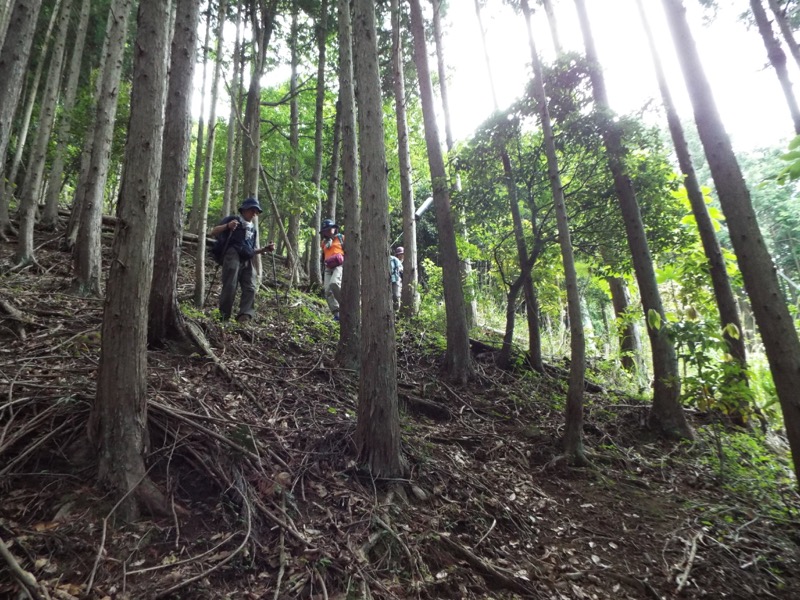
220, 246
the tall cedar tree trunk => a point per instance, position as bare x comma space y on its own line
231, 167
50, 217
528, 290
294, 160
31, 190
31, 97
378, 426
165, 321
87, 247
573, 431
786, 29
666, 415
202, 212
119, 417
5, 15
348, 350
758, 271
458, 362
336, 153
723, 293
13, 65
76, 210
409, 302
553, 24
777, 58
197, 178
466, 264
315, 272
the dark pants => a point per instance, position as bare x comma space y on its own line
236, 271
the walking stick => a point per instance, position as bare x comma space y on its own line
275, 284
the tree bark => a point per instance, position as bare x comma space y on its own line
165, 321
786, 29
778, 332
87, 248
50, 217
197, 179
409, 303
294, 161
458, 362
630, 345
336, 153
202, 208
553, 23
378, 426
119, 416
348, 351
231, 167
14, 56
315, 273
777, 58
666, 414
31, 190
573, 431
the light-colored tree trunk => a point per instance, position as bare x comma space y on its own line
231, 167
553, 23
32, 188
466, 264
777, 58
775, 324
786, 29
573, 431
197, 179
202, 209
666, 414
5, 16
87, 247
165, 320
239, 136
294, 265
723, 293
409, 304
119, 417
378, 426
31, 96
315, 272
349, 348
13, 63
50, 216
336, 153
458, 362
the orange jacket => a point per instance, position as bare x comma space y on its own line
334, 245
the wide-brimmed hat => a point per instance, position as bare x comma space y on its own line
327, 224
399, 251
250, 203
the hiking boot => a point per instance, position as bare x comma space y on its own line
243, 319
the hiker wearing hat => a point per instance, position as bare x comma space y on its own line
396, 275
332, 244
237, 233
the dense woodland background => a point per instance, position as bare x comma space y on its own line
590, 388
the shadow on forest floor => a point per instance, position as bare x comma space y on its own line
256, 454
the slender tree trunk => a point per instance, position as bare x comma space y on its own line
666, 414
50, 217
31, 97
119, 416
13, 63
778, 333
458, 362
197, 183
378, 426
232, 167
348, 351
553, 23
239, 136
336, 153
723, 293
409, 295
630, 347
165, 319
87, 249
777, 58
31, 190
294, 161
786, 29
314, 272
202, 209
573, 432
466, 264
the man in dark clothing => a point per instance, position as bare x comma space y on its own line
237, 264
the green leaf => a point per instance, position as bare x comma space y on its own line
732, 331
654, 319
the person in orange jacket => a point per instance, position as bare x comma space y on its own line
332, 244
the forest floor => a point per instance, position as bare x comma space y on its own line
255, 450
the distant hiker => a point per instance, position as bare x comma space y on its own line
332, 244
396, 275
235, 249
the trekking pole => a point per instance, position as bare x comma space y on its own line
275, 284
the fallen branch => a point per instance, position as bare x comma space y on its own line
25, 578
